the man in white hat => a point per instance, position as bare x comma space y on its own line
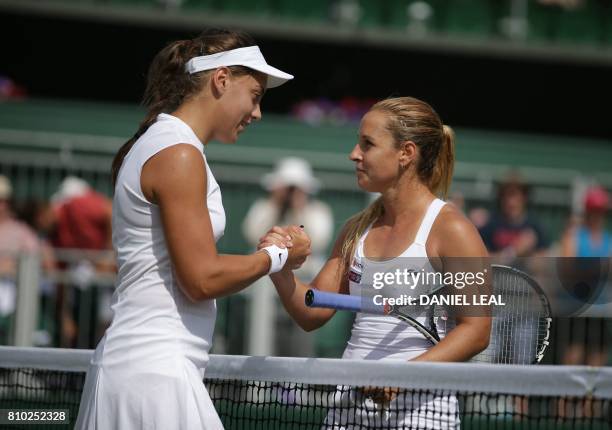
291, 186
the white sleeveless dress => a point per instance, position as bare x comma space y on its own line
147, 371
375, 337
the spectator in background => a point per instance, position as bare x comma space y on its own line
83, 216
40, 216
10, 90
587, 238
326, 111
83, 221
512, 232
291, 186
15, 238
478, 215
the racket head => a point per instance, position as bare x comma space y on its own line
520, 331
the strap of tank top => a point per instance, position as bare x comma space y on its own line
430, 216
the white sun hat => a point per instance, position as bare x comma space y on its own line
249, 56
70, 187
6, 190
292, 171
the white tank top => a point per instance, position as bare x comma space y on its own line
375, 337
154, 323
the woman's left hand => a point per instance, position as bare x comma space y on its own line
381, 395
278, 236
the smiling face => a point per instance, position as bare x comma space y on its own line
239, 105
376, 155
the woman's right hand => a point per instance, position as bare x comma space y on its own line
294, 239
300, 249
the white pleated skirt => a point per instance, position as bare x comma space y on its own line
146, 399
408, 410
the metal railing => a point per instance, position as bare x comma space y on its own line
248, 323
37, 161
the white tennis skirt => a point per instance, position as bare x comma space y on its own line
146, 399
408, 410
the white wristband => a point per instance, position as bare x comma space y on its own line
278, 257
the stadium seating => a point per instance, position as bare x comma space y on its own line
589, 23
41, 141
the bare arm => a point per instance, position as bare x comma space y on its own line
175, 180
568, 242
292, 291
454, 236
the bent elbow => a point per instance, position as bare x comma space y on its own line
483, 340
195, 291
309, 326
484, 343
315, 319
312, 323
203, 286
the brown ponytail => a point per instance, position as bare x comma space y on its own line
169, 85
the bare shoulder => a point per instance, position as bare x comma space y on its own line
452, 223
171, 169
453, 234
177, 157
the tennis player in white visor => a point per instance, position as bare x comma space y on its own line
147, 371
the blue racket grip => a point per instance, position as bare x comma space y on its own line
345, 302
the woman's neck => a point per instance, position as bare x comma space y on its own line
199, 115
405, 202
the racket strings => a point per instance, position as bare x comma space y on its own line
519, 328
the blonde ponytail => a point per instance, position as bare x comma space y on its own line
355, 227
443, 169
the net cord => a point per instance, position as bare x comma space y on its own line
577, 381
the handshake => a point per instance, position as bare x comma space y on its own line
288, 247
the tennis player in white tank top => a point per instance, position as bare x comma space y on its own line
376, 337
405, 153
147, 371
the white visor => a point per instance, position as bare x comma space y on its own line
250, 57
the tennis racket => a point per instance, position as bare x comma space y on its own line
520, 331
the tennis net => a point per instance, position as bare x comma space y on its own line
297, 393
